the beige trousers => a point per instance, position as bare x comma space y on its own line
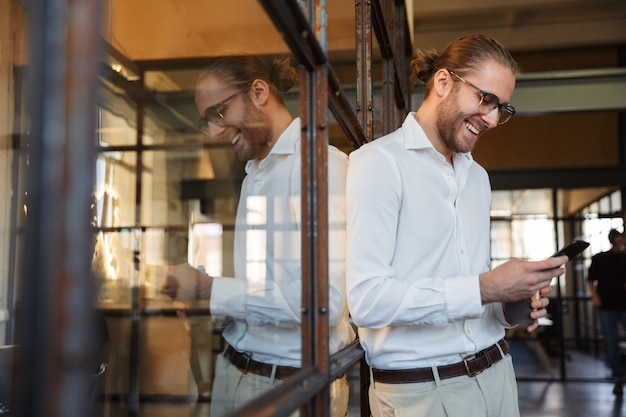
493, 393
232, 389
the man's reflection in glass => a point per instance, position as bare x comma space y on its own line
239, 99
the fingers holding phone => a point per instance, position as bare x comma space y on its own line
527, 312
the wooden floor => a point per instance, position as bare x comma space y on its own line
564, 399
587, 390
569, 399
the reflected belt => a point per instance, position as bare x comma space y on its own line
246, 364
471, 366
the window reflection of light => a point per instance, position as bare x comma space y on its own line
500, 213
256, 238
256, 210
207, 247
534, 237
103, 259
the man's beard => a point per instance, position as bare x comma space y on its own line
450, 125
257, 135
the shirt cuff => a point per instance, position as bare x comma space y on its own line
463, 297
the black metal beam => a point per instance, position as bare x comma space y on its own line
341, 109
289, 19
558, 178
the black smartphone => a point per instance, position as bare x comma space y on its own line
518, 312
573, 249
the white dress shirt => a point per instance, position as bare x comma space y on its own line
263, 300
418, 237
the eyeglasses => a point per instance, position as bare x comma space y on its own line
215, 113
489, 102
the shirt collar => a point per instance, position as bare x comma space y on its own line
286, 144
287, 141
414, 135
415, 138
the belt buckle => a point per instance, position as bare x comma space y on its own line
467, 368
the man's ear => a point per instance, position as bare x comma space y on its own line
442, 82
260, 91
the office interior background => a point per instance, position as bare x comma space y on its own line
107, 179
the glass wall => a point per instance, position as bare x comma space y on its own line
164, 195
534, 224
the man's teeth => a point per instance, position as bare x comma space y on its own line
236, 138
471, 128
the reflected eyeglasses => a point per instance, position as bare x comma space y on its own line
215, 113
489, 102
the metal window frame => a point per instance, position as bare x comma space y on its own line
58, 291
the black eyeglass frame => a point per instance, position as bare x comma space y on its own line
503, 109
218, 110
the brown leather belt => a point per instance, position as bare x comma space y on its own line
246, 364
471, 366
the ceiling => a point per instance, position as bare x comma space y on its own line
197, 28
523, 25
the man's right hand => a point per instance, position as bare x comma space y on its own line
517, 280
186, 283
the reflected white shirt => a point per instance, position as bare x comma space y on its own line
264, 298
418, 237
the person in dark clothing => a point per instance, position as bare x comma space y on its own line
607, 283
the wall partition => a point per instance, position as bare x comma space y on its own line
148, 191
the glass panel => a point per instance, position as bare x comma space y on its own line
172, 179
117, 128
585, 214
581, 325
500, 240
535, 202
113, 267
189, 195
166, 197
605, 205
171, 116
616, 202
598, 221
521, 202
115, 189
521, 225
117, 115
502, 203
533, 237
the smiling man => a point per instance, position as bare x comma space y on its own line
239, 100
430, 312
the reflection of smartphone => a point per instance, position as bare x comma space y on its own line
573, 249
